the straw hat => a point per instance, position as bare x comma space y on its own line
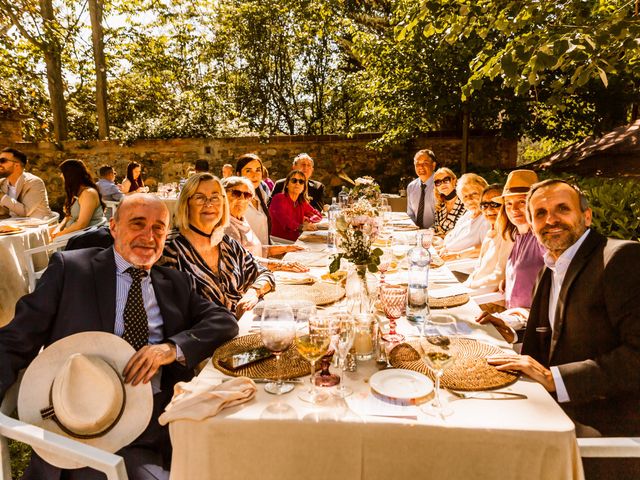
75, 388
518, 183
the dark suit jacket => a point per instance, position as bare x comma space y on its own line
315, 191
100, 237
77, 294
596, 340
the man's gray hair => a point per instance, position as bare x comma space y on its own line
303, 156
550, 182
234, 181
427, 152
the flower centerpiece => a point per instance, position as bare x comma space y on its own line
365, 188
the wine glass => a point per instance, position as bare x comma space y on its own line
394, 301
312, 340
344, 324
399, 247
385, 264
277, 330
438, 350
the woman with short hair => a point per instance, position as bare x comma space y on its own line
291, 213
448, 206
224, 271
83, 206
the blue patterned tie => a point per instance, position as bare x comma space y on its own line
420, 216
136, 327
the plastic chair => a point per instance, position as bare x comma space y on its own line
112, 465
111, 207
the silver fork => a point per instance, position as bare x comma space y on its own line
489, 395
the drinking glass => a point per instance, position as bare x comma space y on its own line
438, 350
399, 247
385, 264
344, 325
427, 237
393, 299
277, 330
312, 339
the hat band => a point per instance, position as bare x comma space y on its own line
49, 413
511, 190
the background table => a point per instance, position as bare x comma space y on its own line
13, 266
285, 438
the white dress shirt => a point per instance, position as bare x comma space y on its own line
414, 191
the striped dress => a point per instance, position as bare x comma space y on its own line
445, 221
238, 270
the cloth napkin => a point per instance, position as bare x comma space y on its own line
294, 278
204, 398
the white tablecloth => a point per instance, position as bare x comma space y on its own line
13, 266
285, 438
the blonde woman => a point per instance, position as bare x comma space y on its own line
449, 208
225, 272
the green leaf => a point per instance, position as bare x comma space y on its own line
334, 266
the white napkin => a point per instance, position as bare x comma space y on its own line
204, 398
294, 278
310, 259
448, 291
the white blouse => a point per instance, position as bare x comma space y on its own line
492, 262
468, 232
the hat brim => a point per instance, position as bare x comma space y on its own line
501, 198
36, 384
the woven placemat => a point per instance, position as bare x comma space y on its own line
291, 363
469, 372
436, 261
449, 302
320, 293
312, 237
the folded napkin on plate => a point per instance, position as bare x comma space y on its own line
204, 398
294, 278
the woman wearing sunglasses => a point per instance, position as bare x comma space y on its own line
240, 192
449, 207
290, 211
495, 248
224, 272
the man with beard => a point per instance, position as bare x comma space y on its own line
582, 341
22, 194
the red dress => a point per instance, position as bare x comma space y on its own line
287, 216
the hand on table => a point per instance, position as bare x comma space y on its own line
292, 267
309, 226
527, 365
144, 364
292, 248
247, 302
499, 324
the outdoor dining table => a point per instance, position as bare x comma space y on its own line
276, 437
13, 263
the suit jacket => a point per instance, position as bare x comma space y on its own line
100, 237
315, 191
31, 200
596, 339
77, 293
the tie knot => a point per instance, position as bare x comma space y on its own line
423, 186
136, 273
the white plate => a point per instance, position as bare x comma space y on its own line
401, 386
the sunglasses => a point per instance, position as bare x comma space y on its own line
485, 205
6, 160
298, 180
437, 183
238, 194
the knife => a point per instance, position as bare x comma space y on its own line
268, 380
488, 395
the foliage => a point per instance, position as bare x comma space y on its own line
19, 453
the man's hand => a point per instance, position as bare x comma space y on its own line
247, 302
145, 362
526, 365
293, 267
309, 226
499, 325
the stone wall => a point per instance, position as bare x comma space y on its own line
170, 160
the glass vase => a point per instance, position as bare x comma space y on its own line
361, 288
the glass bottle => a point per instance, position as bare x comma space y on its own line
332, 214
419, 260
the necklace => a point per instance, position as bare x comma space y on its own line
451, 196
200, 232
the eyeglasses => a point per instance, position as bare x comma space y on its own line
201, 200
298, 180
238, 194
6, 160
485, 205
439, 182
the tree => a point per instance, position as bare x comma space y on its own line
97, 37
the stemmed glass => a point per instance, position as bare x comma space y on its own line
277, 330
312, 340
438, 350
399, 247
385, 264
393, 299
344, 324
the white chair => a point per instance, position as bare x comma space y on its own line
609, 447
110, 209
112, 465
53, 219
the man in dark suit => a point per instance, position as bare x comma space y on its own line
582, 340
305, 164
92, 290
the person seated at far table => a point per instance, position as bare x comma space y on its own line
449, 208
201, 166
22, 194
134, 182
107, 184
315, 189
465, 239
224, 271
489, 272
240, 191
290, 211
250, 166
83, 206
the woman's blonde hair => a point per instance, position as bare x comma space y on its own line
181, 217
439, 198
471, 179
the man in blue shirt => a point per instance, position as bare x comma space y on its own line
420, 199
108, 189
